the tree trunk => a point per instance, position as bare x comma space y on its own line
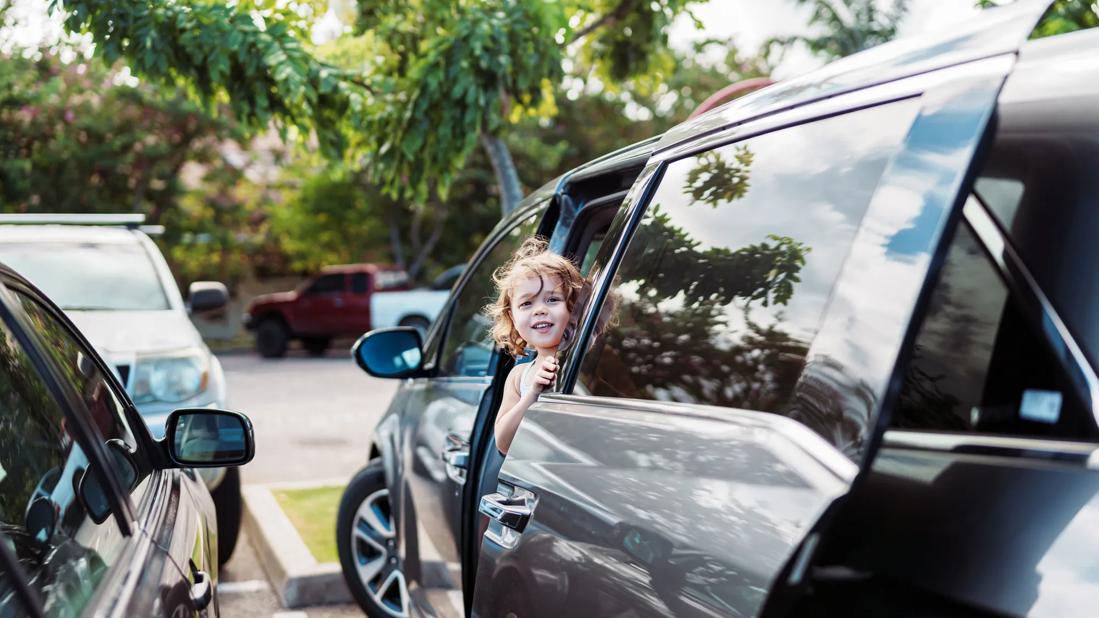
507, 178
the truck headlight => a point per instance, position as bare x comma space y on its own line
171, 377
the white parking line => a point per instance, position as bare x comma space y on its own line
289, 615
252, 585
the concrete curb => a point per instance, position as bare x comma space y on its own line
298, 579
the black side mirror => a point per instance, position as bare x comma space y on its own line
207, 296
205, 438
389, 352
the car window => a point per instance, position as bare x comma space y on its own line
54, 512
978, 365
326, 284
469, 346
360, 284
724, 283
1039, 182
89, 276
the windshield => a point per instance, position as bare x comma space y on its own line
89, 276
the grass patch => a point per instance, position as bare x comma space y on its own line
313, 513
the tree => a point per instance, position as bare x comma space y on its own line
846, 27
435, 78
1062, 16
74, 140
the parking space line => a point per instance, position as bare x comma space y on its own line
251, 585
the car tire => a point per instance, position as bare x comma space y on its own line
228, 504
367, 545
418, 322
316, 346
272, 338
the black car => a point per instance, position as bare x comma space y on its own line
840, 360
97, 517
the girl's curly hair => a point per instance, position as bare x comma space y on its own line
532, 259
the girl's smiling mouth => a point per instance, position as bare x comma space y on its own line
542, 325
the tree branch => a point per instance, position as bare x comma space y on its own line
608, 19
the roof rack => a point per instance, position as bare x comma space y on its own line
133, 221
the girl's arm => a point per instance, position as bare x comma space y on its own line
513, 406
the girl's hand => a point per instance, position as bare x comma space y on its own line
545, 374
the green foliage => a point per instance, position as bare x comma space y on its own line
246, 54
715, 181
75, 141
1064, 16
452, 76
845, 27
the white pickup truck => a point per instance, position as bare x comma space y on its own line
344, 301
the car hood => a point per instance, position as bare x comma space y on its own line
120, 332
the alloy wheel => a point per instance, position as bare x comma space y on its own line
374, 548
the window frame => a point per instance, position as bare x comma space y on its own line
437, 336
1036, 308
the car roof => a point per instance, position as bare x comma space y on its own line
992, 32
68, 234
359, 268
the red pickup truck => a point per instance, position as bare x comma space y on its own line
343, 301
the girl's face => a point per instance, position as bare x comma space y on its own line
539, 311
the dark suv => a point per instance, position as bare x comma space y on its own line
839, 360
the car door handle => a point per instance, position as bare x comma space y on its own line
201, 591
511, 511
456, 457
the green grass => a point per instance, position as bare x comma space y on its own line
313, 513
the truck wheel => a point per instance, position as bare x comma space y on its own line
227, 503
271, 338
316, 346
418, 322
366, 542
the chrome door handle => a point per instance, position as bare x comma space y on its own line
201, 591
457, 463
509, 511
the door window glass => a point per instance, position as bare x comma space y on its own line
359, 283
725, 281
469, 346
978, 365
326, 284
53, 506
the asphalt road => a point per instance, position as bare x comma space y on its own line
313, 418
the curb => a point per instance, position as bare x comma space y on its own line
298, 579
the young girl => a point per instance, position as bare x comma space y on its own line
538, 292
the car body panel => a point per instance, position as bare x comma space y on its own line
656, 509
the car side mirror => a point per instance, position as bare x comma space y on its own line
205, 438
207, 296
389, 352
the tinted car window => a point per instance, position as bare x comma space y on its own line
47, 488
1040, 183
81, 372
469, 345
978, 365
359, 283
723, 284
326, 284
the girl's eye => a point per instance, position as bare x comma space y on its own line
553, 299
525, 303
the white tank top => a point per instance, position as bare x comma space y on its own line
525, 386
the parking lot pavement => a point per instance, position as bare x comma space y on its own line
313, 420
243, 590
313, 417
